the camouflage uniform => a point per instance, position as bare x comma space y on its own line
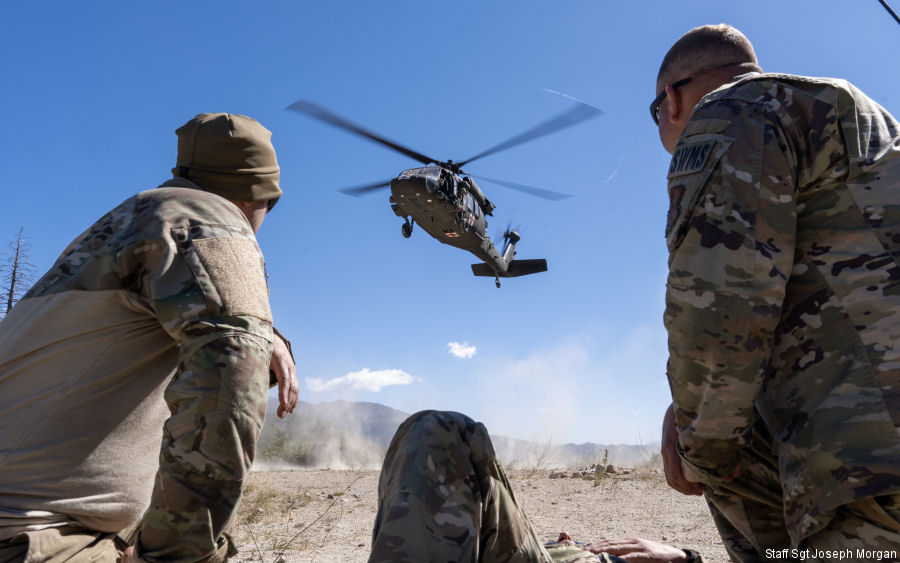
161, 303
783, 311
443, 497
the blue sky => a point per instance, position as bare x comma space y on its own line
93, 91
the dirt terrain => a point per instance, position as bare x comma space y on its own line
326, 515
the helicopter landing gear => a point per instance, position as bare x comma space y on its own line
497, 282
406, 228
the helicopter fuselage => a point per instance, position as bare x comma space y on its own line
453, 209
445, 206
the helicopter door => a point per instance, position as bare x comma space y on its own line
474, 211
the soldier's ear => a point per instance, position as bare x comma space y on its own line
676, 103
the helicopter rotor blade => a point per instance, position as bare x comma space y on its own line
361, 190
322, 114
576, 114
531, 190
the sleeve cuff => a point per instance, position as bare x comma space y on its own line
716, 459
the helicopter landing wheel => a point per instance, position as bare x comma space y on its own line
497, 282
406, 230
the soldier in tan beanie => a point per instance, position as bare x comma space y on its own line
134, 374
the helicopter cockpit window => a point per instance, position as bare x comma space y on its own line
470, 202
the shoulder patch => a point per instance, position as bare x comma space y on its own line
235, 269
228, 268
690, 158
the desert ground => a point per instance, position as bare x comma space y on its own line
327, 515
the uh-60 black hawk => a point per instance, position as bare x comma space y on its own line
447, 203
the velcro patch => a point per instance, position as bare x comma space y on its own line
235, 268
690, 158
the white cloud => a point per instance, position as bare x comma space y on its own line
462, 351
364, 379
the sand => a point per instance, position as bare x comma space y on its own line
327, 515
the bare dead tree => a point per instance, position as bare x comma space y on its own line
17, 272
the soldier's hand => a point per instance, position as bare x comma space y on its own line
672, 461
638, 549
128, 555
286, 374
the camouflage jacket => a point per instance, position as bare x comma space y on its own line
783, 294
153, 327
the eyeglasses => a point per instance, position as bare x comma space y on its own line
654, 105
270, 204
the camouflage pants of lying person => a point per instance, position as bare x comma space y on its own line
443, 496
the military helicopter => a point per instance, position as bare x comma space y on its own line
446, 202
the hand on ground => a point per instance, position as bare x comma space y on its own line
638, 549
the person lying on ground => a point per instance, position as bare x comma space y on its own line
443, 496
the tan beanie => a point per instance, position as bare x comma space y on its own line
229, 155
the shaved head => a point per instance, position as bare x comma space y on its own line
705, 48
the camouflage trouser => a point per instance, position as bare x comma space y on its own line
749, 514
79, 545
55, 545
443, 496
